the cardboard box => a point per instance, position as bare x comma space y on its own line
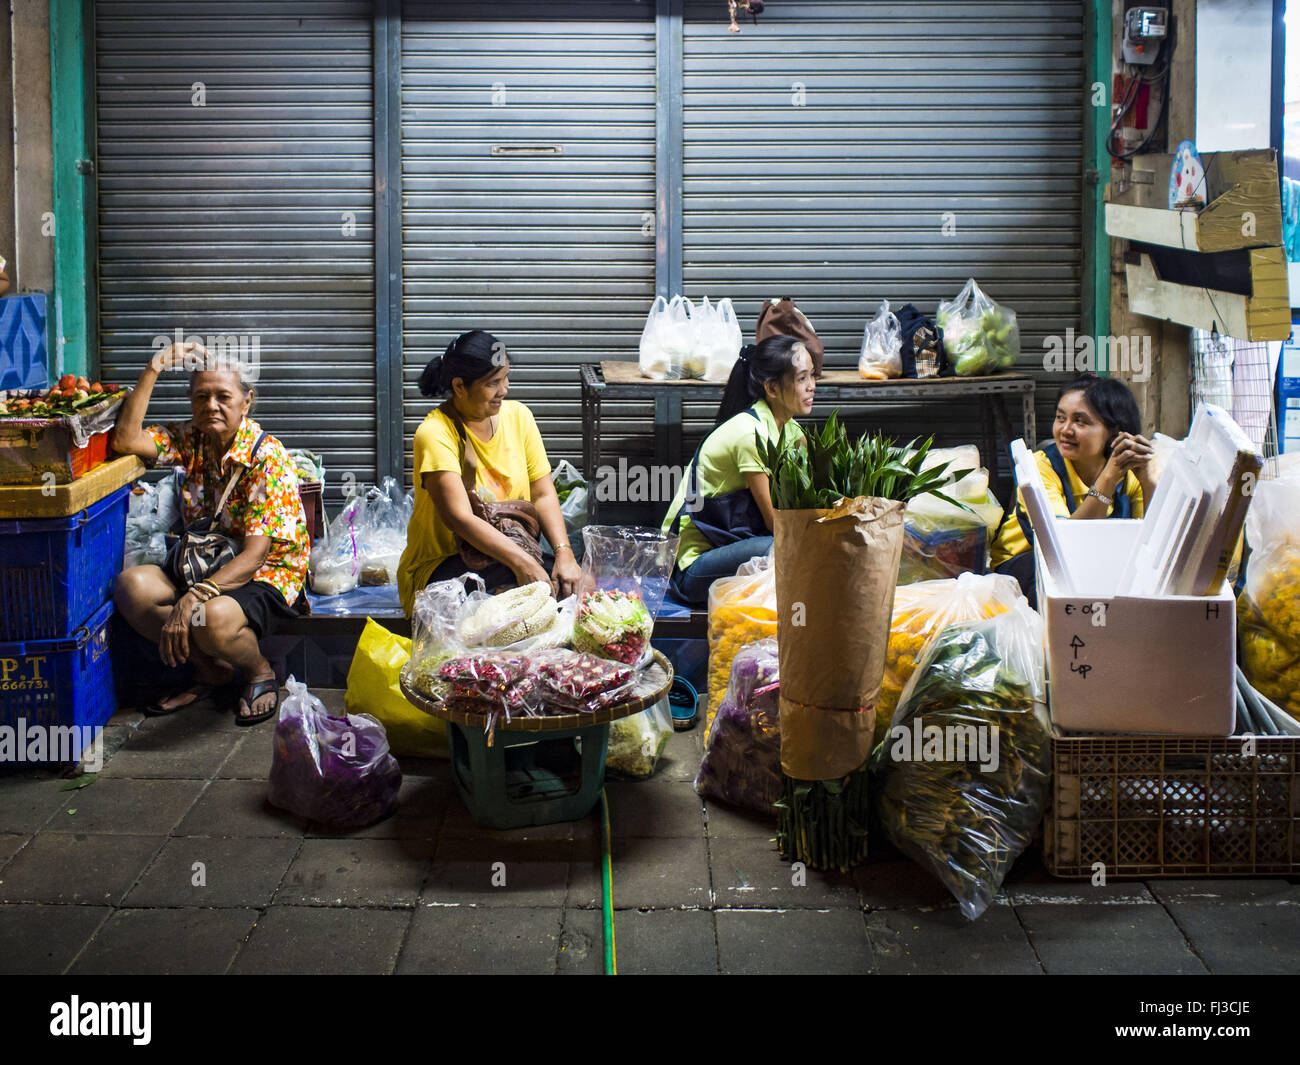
1118, 663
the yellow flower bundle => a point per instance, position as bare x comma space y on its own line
742, 609
920, 611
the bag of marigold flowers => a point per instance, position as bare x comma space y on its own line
742, 609
1268, 611
921, 610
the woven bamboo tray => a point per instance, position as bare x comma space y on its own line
652, 684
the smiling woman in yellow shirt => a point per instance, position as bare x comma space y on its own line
512, 464
1097, 466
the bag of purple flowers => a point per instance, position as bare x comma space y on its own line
336, 771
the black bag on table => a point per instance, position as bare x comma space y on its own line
910, 322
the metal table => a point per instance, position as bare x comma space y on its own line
623, 380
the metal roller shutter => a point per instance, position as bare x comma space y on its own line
251, 215
837, 197
552, 253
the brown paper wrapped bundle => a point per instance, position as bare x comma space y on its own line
838, 540
835, 577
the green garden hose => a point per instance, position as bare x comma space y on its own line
607, 887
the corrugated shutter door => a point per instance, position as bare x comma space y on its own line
552, 253
836, 194
251, 215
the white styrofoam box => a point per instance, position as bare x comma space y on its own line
1122, 663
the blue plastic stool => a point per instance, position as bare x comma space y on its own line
528, 778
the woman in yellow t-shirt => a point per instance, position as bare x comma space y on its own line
511, 464
1098, 466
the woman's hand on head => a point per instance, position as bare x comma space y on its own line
177, 356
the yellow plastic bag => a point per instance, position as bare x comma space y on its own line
742, 609
373, 689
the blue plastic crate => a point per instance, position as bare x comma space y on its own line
56, 572
22, 342
47, 683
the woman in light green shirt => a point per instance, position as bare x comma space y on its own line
727, 518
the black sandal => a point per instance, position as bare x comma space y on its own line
202, 693
252, 693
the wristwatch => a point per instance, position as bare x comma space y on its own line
1097, 495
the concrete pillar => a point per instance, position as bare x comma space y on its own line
32, 158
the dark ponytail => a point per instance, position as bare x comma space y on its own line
471, 356
769, 360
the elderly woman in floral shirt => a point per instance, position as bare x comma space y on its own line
242, 601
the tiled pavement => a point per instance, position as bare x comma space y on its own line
171, 861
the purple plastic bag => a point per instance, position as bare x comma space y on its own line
742, 757
335, 771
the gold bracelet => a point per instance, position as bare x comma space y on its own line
565, 544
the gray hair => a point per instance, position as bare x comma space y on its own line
227, 359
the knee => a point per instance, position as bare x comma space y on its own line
219, 621
137, 587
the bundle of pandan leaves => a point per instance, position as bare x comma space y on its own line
839, 535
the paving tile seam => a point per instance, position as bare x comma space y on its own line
1027, 899
1024, 931
1187, 939
713, 891
341, 904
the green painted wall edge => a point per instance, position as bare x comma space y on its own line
74, 332
1095, 287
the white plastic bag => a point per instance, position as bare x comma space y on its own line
668, 340
980, 336
653, 359
637, 742
382, 537
625, 573
153, 510
722, 343
335, 566
882, 346
572, 489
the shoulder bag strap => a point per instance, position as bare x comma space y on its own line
1054, 456
237, 476
468, 459
692, 483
